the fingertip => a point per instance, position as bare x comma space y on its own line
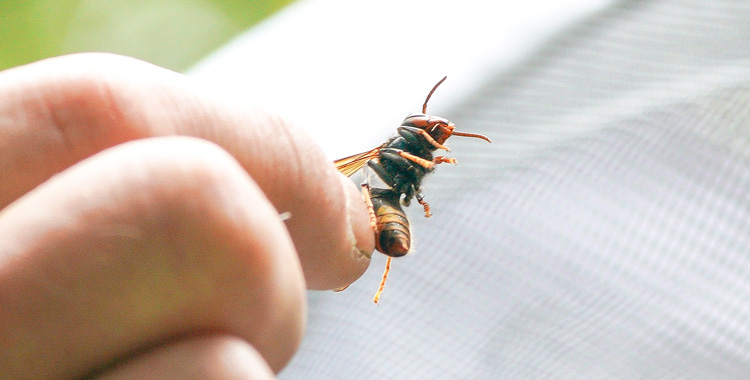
349, 237
202, 357
363, 238
359, 233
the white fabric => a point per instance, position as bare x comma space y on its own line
352, 70
604, 234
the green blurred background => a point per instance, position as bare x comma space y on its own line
170, 33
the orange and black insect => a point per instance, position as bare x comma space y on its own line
400, 163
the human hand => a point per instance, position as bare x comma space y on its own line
128, 250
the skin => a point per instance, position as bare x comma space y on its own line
140, 234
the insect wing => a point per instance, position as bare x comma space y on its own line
350, 165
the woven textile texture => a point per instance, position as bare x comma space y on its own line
605, 234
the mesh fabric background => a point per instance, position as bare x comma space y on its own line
604, 234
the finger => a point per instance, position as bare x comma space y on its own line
56, 112
148, 241
201, 358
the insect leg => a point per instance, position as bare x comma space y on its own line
443, 159
420, 199
376, 298
419, 160
410, 133
368, 198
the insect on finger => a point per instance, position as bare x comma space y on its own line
416, 139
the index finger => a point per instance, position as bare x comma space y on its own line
56, 112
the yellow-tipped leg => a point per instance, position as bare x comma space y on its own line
419, 160
382, 281
446, 160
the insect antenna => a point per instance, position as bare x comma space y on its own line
475, 135
424, 106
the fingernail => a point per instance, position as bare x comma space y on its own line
361, 234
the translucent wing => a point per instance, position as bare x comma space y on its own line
350, 165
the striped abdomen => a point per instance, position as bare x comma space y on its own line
393, 234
